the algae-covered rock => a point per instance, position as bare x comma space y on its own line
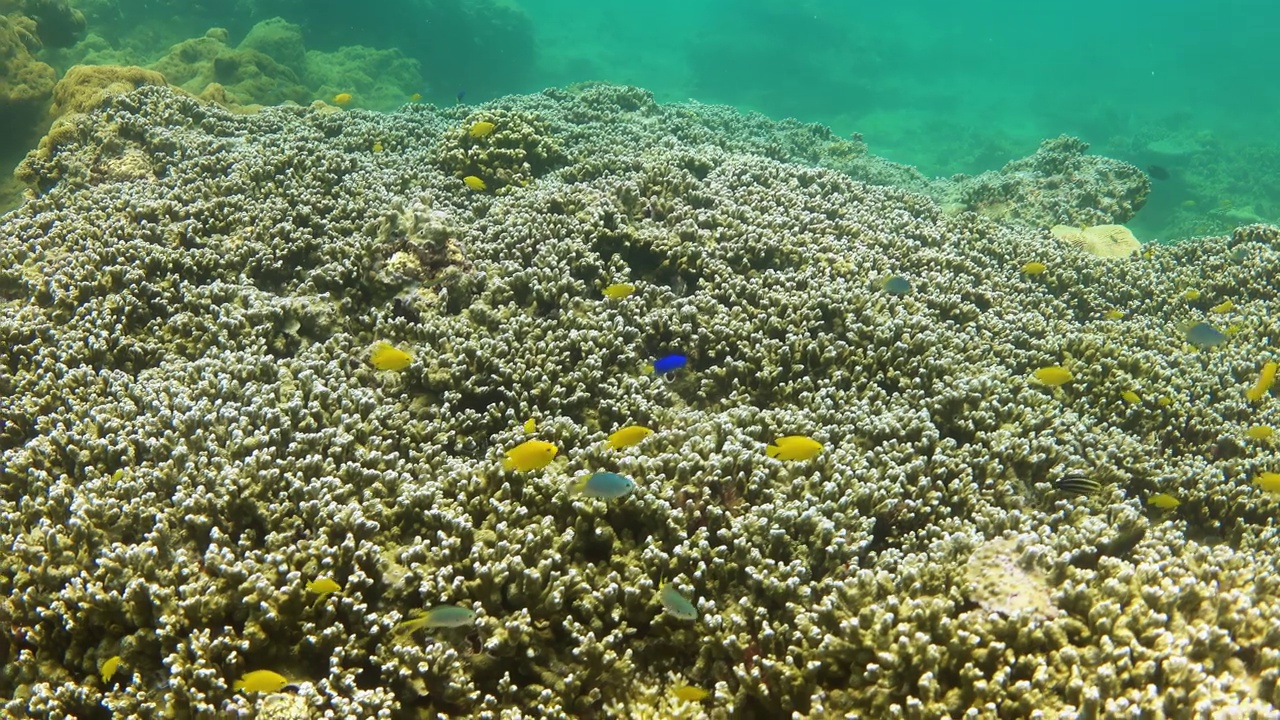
25, 82
85, 86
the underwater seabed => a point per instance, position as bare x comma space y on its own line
577, 404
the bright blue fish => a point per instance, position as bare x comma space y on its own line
669, 363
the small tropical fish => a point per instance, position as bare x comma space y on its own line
1266, 482
530, 455
794, 447
107, 668
617, 291
462, 94
1223, 307
377, 146
530, 425
669, 364
1054, 375
441, 616
1157, 172
676, 604
1191, 295
1204, 335
261, 681
1034, 268
689, 693
475, 183
415, 97
342, 98
1164, 401
481, 129
896, 285
603, 485
1113, 314
1265, 380
1261, 433
1077, 482
628, 436
1131, 397
386, 357
323, 586
1163, 501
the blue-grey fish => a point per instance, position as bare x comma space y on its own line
1204, 335
603, 485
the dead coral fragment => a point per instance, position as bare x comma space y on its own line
1104, 241
996, 580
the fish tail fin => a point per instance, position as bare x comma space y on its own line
579, 484
773, 451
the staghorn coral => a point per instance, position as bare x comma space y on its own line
192, 433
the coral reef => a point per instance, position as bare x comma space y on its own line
271, 66
1059, 184
192, 432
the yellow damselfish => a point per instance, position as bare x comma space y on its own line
1225, 306
342, 98
323, 586
1265, 381
1113, 314
1054, 375
1268, 482
481, 129
628, 436
1191, 294
617, 291
475, 183
1034, 268
794, 447
1261, 433
1131, 397
261, 681
530, 425
530, 455
109, 667
387, 357
1163, 501
689, 693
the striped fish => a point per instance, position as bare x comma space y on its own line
1077, 482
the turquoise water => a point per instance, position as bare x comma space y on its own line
950, 87
947, 87
1184, 89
